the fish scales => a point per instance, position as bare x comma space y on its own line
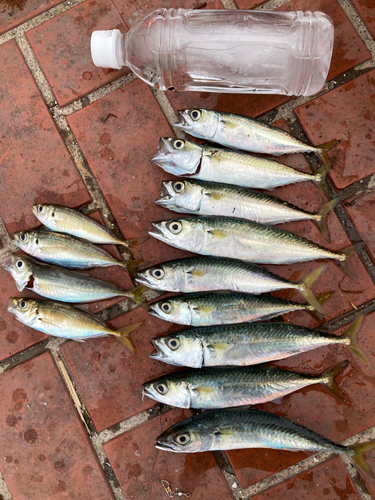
239, 344
240, 239
222, 308
210, 388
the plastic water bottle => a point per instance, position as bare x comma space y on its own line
238, 51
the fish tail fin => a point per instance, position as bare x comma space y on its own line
351, 333
131, 266
347, 254
134, 242
326, 146
359, 450
136, 294
330, 375
123, 334
306, 285
323, 213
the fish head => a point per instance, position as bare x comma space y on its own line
28, 241
20, 267
168, 390
168, 277
200, 123
173, 309
181, 349
45, 213
187, 234
181, 196
177, 156
25, 310
184, 437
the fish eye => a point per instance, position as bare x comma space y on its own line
178, 144
158, 273
23, 236
195, 114
183, 439
41, 209
175, 227
23, 304
19, 264
166, 307
178, 186
173, 344
161, 388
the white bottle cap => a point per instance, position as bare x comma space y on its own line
106, 49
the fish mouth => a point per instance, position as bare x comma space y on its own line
166, 193
142, 280
163, 446
12, 305
160, 233
186, 122
164, 150
159, 353
6, 261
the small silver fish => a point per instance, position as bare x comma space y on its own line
228, 200
248, 344
64, 250
61, 320
244, 240
208, 163
212, 388
67, 220
241, 132
221, 308
57, 283
239, 428
204, 274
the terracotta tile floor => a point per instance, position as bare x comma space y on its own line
72, 420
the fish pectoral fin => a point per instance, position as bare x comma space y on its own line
203, 391
217, 233
204, 309
220, 347
214, 196
56, 325
78, 340
197, 274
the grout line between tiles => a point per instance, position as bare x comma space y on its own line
358, 25
356, 478
228, 4
4, 491
39, 19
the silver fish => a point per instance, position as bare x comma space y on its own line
207, 163
61, 320
64, 250
244, 240
228, 200
239, 428
57, 283
221, 308
212, 388
241, 132
204, 274
67, 220
248, 344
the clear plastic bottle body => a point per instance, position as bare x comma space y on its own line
231, 51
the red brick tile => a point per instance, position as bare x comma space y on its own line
14, 337
118, 152
348, 51
329, 481
41, 438
15, 12
35, 165
140, 467
362, 213
108, 377
315, 408
366, 9
62, 46
345, 114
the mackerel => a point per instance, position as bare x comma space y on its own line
238, 428
57, 283
212, 388
228, 200
204, 274
248, 344
245, 240
241, 132
209, 163
221, 308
